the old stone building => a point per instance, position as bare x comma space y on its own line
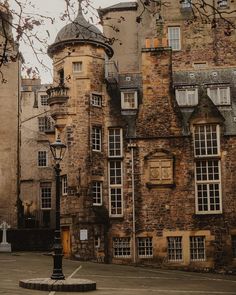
9, 116
37, 186
150, 127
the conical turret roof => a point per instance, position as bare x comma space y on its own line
79, 31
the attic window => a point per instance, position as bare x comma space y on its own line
187, 96
220, 95
129, 100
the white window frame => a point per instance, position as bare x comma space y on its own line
121, 247
174, 35
43, 100
46, 195
223, 3
64, 185
115, 186
208, 189
96, 138
77, 66
42, 158
126, 105
97, 193
186, 4
96, 100
197, 247
185, 99
175, 249
115, 139
208, 136
145, 247
219, 100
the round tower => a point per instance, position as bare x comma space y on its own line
76, 102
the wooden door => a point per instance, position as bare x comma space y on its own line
65, 236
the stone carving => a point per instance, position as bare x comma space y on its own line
4, 246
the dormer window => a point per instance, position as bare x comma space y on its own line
187, 96
129, 100
220, 95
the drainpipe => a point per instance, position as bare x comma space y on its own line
132, 146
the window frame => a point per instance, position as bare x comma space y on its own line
46, 185
123, 246
114, 186
186, 98
171, 39
172, 252
186, 4
96, 138
117, 143
94, 102
218, 94
197, 248
64, 185
80, 67
43, 100
42, 162
45, 124
147, 247
97, 194
135, 99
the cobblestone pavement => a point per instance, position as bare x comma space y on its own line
111, 279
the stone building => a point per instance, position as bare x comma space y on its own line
149, 170
9, 116
37, 186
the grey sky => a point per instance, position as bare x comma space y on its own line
54, 8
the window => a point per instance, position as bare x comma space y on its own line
222, 3
219, 95
64, 185
115, 187
45, 188
77, 67
145, 247
45, 124
207, 170
174, 248
174, 38
42, 159
197, 248
186, 3
206, 140
96, 139
233, 246
97, 241
61, 77
43, 100
115, 142
129, 100
187, 96
97, 193
121, 247
96, 100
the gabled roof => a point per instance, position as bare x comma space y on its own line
206, 111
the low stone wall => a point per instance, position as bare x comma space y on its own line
30, 239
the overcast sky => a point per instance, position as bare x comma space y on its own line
55, 8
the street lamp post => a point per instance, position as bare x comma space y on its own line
58, 150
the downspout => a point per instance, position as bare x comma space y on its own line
132, 146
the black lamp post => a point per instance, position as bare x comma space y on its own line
58, 150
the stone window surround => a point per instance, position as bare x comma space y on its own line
174, 35
121, 247
145, 247
197, 248
42, 158
174, 249
46, 195
208, 184
97, 193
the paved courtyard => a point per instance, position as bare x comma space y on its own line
111, 279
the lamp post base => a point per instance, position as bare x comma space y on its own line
67, 285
